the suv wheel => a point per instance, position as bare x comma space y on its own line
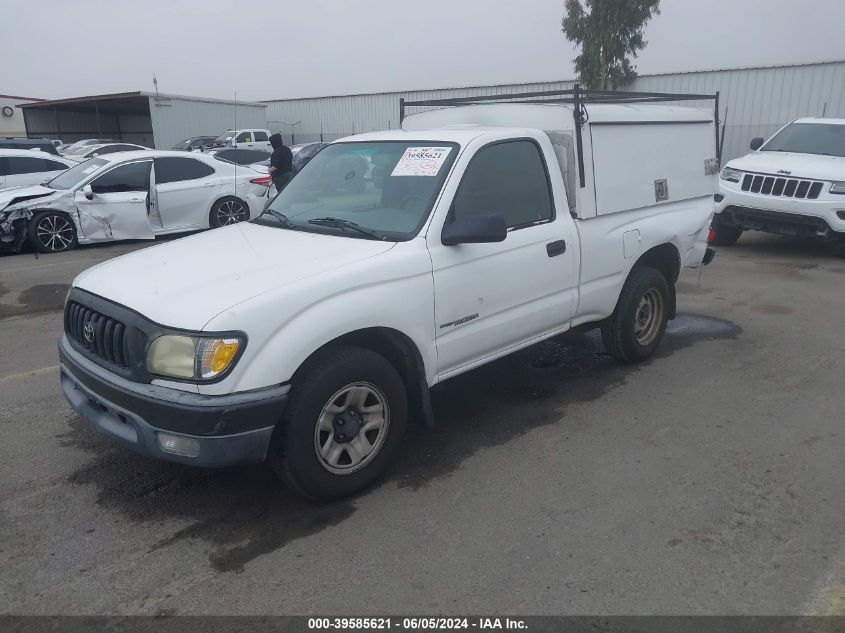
724, 235
344, 423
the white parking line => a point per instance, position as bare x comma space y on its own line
27, 374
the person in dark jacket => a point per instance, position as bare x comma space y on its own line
281, 162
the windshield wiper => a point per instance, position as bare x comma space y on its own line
347, 224
281, 217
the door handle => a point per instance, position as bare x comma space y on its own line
209, 184
556, 248
136, 199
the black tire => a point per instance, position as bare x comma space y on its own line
725, 235
51, 232
228, 210
621, 333
294, 448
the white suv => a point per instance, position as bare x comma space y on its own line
794, 184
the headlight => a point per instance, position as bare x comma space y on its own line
199, 358
732, 175
838, 187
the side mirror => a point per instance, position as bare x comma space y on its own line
88, 192
483, 228
757, 142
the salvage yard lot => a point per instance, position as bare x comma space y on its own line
706, 480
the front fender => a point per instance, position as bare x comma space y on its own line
398, 294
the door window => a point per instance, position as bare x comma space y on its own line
508, 178
52, 165
26, 165
177, 169
244, 137
129, 177
260, 136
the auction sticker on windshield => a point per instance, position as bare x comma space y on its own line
421, 161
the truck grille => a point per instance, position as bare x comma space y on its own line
101, 335
782, 187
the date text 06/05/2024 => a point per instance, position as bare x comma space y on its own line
416, 623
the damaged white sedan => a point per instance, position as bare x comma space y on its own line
129, 195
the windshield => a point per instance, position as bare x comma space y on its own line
79, 149
73, 176
827, 139
186, 144
225, 137
386, 187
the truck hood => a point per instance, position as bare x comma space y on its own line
812, 166
186, 282
14, 195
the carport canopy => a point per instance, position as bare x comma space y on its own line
121, 116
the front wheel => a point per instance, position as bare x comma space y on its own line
51, 232
636, 327
228, 211
343, 425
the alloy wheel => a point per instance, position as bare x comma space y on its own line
54, 232
231, 212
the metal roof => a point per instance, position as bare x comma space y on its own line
20, 97
132, 95
546, 81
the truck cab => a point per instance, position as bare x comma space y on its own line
392, 262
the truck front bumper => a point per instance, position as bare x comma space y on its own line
168, 424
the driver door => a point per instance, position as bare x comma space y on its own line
117, 209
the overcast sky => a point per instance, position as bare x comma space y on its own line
285, 48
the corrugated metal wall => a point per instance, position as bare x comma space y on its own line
174, 119
761, 100
758, 101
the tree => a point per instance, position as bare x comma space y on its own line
609, 33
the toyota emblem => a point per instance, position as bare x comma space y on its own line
88, 332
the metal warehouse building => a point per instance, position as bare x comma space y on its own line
146, 118
754, 102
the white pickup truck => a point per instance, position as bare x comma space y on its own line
310, 335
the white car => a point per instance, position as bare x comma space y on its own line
245, 138
309, 336
794, 184
29, 167
130, 195
85, 152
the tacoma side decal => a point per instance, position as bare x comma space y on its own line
460, 321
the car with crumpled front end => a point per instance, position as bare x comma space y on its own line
130, 195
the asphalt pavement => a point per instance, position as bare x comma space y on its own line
708, 480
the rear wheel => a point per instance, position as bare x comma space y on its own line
636, 327
51, 232
343, 425
228, 211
